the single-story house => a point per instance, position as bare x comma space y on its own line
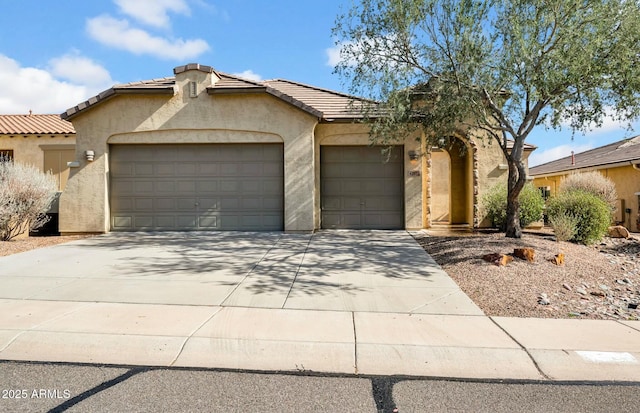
44, 141
618, 161
205, 150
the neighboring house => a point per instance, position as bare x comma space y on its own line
618, 161
44, 141
204, 150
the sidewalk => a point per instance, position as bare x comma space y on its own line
320, 341
345, 302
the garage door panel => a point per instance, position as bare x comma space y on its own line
361, 188
186, 221
164, 186
166, 169
122, 222
271, 169
143, 169
143, 186
216, 186
208, 222
272, 204
142, 204
143, 221
185, 187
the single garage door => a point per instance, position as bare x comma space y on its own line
361, 189
197, 187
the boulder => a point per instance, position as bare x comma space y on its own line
498, 259
618, 231
525, 253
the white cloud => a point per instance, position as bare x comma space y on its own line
333, 55
249, 75
80, 70
28, 88
120, 35
609, 123
153, 12
562, 151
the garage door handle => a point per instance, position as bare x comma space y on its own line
196, 204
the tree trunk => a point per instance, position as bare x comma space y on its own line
515, 183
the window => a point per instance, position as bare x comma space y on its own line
6, 155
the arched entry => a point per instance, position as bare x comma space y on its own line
451, 184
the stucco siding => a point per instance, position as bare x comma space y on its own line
27, 149
183, 119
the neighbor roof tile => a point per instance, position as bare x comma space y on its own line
35, 124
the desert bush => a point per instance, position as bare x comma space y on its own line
592, 214
25, 196
593, 183
564, 225
495, 205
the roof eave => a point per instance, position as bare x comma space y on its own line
619, 164
111, 93
213, 90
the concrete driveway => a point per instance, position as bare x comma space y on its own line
368, 271
349, 302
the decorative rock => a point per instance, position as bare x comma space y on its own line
633, 306
597, 293
618, 231
558, 259
525, 253
581, 291
543, 299
566, 286
500, 260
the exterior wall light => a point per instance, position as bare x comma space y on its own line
413, 156
89, 155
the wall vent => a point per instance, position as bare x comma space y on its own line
193, 89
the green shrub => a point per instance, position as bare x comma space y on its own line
591, 212
564, 225
594, 183
495, 205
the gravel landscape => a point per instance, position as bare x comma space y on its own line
596, 282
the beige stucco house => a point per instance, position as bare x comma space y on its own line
44, 141
204, 150
619, 161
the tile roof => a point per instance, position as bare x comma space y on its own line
35, 124
332, 105
323, 103
626, 150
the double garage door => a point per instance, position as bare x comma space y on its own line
362, 188
197, 187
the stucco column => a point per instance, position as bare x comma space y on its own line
299, 182
84, 202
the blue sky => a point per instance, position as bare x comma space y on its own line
54, 55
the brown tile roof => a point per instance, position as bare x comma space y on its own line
35, 124
626, 150
332, 105
325, 104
